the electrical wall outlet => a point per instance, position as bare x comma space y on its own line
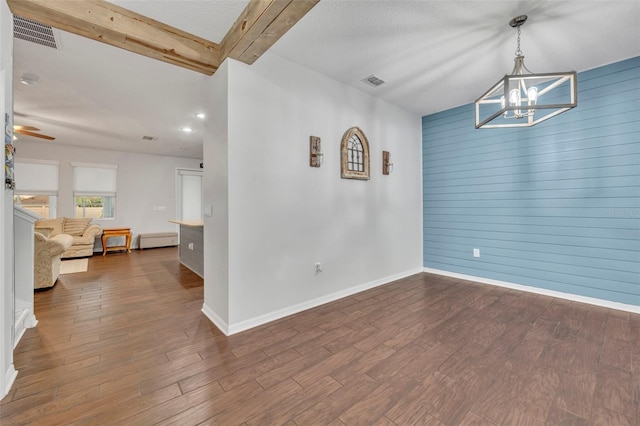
190, 246
476, 252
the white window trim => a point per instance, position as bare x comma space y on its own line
95, 165
37, 161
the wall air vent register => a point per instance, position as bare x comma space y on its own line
33, 31
372, 80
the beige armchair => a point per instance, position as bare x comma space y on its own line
46, 261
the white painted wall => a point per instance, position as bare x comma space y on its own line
7, 370
144, 182
285, 216
23, 274
216, 196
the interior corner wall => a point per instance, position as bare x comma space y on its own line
555, 206
146, 184
285, 216
216, 199
7, 370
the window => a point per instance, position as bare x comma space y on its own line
37, 186
355, 154
96, 207
44, 206
94, 190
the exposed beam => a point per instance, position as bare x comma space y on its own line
120, 27
260, 25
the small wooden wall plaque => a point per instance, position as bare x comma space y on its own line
315, 151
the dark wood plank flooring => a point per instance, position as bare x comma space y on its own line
126, 344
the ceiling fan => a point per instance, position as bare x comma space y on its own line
31, 131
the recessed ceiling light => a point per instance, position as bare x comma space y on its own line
187, 129
29, 79
200, 115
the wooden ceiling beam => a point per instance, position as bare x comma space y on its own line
111, 24
260, 25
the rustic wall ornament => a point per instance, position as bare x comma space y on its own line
354, 152
315, 152
387, 165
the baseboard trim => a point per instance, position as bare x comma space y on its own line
7, 380
25, 319
542, 291
215, 319
31, 321
290, 310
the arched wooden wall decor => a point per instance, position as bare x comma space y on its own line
354, 152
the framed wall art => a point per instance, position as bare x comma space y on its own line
354, 151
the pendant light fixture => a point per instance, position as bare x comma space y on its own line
524, 99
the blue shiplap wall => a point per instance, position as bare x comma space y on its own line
555, 206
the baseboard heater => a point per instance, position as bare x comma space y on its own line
157, 239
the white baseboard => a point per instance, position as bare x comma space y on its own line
290, 310
31, 321
20, 327
23, 320
215, 319
7, 380
537, 290
19, 333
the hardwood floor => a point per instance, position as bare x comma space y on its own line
125, 343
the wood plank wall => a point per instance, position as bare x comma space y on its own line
192, 258
556, 206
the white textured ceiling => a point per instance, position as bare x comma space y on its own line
433, 55
436, 55
207, 19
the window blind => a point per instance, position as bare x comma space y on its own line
36, 177
94, 179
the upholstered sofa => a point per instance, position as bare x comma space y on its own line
46, 259
81, 230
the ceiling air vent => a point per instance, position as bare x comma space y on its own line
372, 80
33, 31
149, 138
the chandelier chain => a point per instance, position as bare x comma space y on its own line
518, 51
